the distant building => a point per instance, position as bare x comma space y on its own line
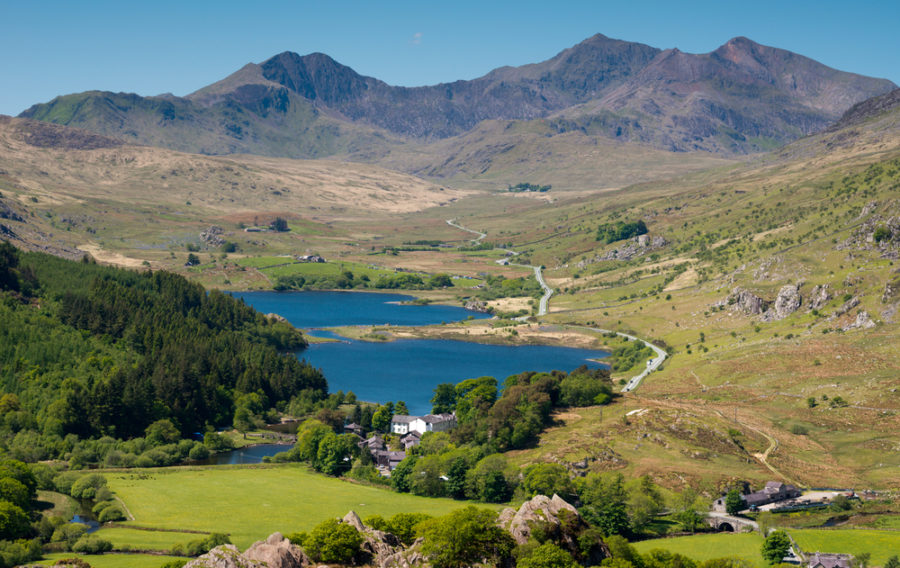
773, 492
388, 459
411, 440
309, 258
403, 424
823, 560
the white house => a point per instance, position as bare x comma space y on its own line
403, 424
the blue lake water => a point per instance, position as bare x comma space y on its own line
248, 455
331, 309
406, 370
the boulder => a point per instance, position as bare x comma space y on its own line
277, 552
379, 548
225, 556
788, 301
863, 321
819, 296
540, 509
747, 302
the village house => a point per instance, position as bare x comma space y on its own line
823, 560
773, 492
309, 258
403, 424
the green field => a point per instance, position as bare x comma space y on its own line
138, 539
112, 560
708, 546
880, 544
250, 503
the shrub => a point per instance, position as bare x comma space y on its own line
69, 533
333, 542
199, 452
111, 514
799, 430
86, 487
89, 544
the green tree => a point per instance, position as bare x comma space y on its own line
776, 546
547, 555
862, 559
892, 562
401, 408
456, 478
401, 474
733, 502
162, 432
605, 502
13, 491
381, 420
464, 538
333, 542
404, 526
335, 453
547, 479
14, 523
444, 399
280, 225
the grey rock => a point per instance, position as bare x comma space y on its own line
539, 509
820, 295
747, 302
277, 552
863, 321
788, 301
225, 556
477, 306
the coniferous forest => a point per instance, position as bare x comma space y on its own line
89, 352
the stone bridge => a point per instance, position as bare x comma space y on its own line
727, 523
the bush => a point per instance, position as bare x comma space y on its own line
86, 487
333, 542
89, 544
201, 545
464, 538
69, 534
199, 452
111, 514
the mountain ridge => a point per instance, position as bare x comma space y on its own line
741, 98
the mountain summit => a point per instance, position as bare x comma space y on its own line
743, 97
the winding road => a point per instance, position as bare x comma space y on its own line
544, 305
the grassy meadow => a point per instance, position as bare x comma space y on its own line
708, 546
250, 503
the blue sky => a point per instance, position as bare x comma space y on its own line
48, 48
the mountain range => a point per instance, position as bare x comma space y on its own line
741, 98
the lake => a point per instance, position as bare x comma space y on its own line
407, 369
248, 455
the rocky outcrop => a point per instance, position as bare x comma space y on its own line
277, 552
213, 236
274, 552
541, 509
557, 519
637, 246
379, 548
863, 321
477, 306
225, 556
820, 295
848, 305
747, 302
787, 302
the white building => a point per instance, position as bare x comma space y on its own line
403, 424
